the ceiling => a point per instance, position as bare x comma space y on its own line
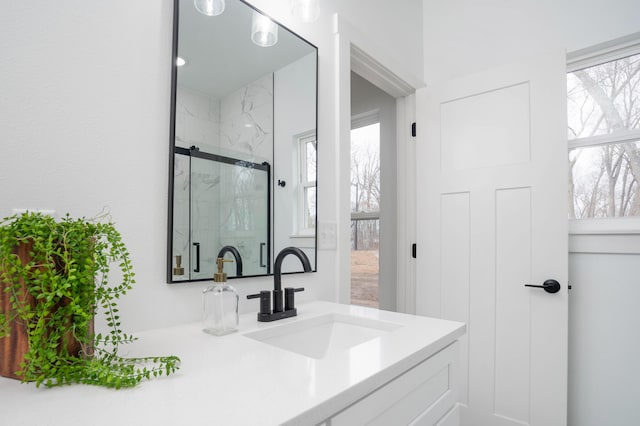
220, 54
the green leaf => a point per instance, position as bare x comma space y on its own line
67, 275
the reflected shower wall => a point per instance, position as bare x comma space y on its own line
238, 125
223, 201
223, 149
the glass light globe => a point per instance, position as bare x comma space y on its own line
264, 32
306, 10
209, 7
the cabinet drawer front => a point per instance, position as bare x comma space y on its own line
420, 396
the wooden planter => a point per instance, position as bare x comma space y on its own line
14, 347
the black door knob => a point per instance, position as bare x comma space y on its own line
550, 286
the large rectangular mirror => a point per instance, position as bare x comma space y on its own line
243, 147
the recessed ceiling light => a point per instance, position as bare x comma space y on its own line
180, 62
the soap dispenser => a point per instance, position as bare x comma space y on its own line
220, 303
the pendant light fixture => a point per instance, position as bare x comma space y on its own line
209, 7
264, 32
306, 10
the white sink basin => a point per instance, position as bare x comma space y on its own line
320, 336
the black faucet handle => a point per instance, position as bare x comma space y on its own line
265, 301
289, 299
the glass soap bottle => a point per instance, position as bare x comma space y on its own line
220, 303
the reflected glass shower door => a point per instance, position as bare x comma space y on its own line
204, 216
229, 206
244, 214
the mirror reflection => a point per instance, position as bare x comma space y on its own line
243, 144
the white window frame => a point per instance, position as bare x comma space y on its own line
303, 228
596, 55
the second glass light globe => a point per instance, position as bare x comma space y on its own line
209, 7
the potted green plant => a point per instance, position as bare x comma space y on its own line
54, 278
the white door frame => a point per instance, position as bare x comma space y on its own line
354, 52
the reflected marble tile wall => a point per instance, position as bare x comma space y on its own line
246, 120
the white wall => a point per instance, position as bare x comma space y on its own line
603, 342
462, 36
84, 114
365, 97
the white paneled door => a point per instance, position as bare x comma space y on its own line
492, 217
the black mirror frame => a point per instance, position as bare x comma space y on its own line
172, 133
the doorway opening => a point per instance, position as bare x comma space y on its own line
365, 214
389, 92
373, 189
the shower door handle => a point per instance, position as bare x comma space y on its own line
262, 265
197, 268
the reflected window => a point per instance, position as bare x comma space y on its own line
307, 198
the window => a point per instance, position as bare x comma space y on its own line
307, 195
603, 112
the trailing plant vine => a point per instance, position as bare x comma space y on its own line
57, 293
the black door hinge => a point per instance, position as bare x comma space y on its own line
413, 250
413, 129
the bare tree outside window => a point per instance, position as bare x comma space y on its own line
365, 187
365, 169
308, 181
604, 101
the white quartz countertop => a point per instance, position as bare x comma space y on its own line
236, 380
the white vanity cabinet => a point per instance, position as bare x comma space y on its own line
423, 395
404, 376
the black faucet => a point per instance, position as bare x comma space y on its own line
234, 251
289, 310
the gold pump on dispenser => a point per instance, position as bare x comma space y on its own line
178, 270
221, 276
